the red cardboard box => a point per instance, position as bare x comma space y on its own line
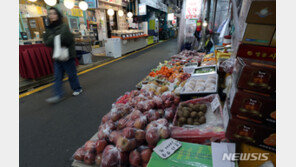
252, 107
255, 134
257, 52
255, 75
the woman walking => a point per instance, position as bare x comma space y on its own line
57, 27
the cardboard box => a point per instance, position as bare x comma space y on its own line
257, 52
258, 34
256, 108
239, 130
273, 41
245, 148
262, 12
255, 75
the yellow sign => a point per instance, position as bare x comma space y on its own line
76, 12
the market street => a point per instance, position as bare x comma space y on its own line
50, 134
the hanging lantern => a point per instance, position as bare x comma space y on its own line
83, 5
33, 0
110, 12
120, 13
69, 4
129, 14
50, 2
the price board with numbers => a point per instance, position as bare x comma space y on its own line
188, 155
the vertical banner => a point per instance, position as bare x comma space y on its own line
193, 9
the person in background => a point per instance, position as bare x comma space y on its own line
56, 27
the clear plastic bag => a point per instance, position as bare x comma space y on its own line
140, 156
157, 130
210, 129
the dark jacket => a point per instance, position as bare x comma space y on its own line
67, 38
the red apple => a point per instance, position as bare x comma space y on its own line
135, 158
176, 100
79, 154
90, 145
106, 118
163, 122
123, 144
100, 146
146, 154
115, 116
132, 144
140, 134
122, 123
140, 123
114, 136
128, 132
110, 157
164, 132
130, 123
152, 136
135, 114
89, 158
169, 115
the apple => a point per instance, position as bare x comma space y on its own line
140, 123
130, 123
136, 114
135, 158
106, 118
89, 158
79, 154
145, 155
163, 122
169, 115
176, 100
128, 132
167, 103
140, 134
90, 146
161, 112
98, 159
123, 144
164, 132
100, 146
110, 157
115, 116
122, 123
133, 144
152, 136
114, 135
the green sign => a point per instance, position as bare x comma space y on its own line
189, 155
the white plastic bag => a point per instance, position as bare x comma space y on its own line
60, 53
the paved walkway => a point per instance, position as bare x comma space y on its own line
50, 134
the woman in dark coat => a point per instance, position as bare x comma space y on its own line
57, 27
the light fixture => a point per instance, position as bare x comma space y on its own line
83, 5
50, 2
204, 24
33, 0
130, 14
69, 4
120, 13
110, 12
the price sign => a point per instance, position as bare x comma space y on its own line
167, 148
215, 104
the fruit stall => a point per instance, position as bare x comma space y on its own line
179, 100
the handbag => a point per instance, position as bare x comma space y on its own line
60, 53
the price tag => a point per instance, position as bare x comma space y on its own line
123, 36
215, 104
167, 148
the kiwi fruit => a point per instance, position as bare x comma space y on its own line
190, 105
182, 120
180, 113
186, 113
189, 121
196, 123
196, 107
203, 108
200, 114
202, 120
193, 114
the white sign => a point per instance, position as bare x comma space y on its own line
171, 16
193, 9
167, 148
142, 9
215, 104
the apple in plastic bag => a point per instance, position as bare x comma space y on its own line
79, 154
89, 158
100, 146
135, 158
145, 155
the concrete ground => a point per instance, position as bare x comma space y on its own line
50, 134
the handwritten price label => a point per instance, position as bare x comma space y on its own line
167, 148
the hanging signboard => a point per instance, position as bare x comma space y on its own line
92, 4
193, 8
142, 9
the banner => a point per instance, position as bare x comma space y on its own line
92, 4
193, 9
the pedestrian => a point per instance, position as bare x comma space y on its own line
56, 27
